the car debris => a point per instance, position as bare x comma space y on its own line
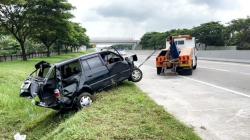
18, 136
73, 83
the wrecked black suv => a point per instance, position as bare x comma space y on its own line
73, 83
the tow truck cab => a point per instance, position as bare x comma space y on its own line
187, 55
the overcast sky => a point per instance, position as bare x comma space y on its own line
132, 18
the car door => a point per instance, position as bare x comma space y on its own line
71, 74
96, 72
118, 68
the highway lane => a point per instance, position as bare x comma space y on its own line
234, 76
215, 100
229, 75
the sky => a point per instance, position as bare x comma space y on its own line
132, 18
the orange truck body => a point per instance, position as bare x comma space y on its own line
186, 57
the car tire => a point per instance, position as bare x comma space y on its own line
136, 75
159, 69
84, 100
194, 67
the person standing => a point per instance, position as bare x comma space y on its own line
173, 49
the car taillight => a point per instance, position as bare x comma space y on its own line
57, 93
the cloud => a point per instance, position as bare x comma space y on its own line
155, 15
119, 10
132, 18
217, 4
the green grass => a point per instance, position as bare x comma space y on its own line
123, 112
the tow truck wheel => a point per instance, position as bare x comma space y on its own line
159, 70
136, 75
194, 67
84, 100
185, 71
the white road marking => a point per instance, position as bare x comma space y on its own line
209, 84
223, 70
226, 63
218, 87
214, 69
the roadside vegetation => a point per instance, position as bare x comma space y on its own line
234, 33
123, 112
39, 25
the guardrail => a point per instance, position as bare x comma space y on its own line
225, 54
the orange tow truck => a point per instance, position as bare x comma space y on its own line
187, 61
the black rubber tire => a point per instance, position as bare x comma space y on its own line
186, 72
141, 75
159, 70
78, 99
194, 67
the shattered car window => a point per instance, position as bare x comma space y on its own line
71, 69
43, 72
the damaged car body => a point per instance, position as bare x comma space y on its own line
73, 83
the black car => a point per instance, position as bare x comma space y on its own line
73, 83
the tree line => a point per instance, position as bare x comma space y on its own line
236, 32
42, 23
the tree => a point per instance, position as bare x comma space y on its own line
14, 18
153, 40
176, 32
211, 33
50, 20
76, 37
8, 45
240, 33
79, 34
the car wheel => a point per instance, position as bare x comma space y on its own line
194, 67
159, 70
136, 75
84, 100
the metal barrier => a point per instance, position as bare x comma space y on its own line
4, 58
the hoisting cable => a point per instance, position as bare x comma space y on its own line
147, 58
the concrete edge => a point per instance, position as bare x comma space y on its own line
225, 60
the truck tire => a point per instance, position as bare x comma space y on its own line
136, 75
194, 67
159, 70
84, 100
186, 72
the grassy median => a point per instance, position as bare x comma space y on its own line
123, 112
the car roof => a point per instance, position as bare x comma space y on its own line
74, 59
86, 56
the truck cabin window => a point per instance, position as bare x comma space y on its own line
179, 42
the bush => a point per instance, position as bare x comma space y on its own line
244, 46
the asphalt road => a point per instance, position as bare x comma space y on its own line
215, 100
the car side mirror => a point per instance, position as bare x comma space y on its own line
126, 58
134, 57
